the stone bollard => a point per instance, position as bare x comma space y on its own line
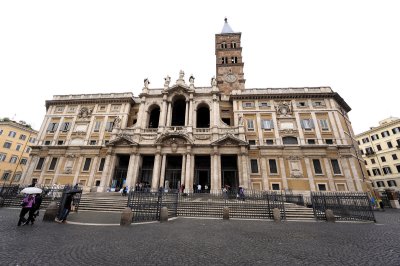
164, 215
225, 215
330, 217
277, 215
126, 217
51, 212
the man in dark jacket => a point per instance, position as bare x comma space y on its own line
67, 208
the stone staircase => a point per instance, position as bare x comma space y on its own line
103, 202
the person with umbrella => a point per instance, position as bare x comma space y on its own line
26, 204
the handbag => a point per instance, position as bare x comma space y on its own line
24, 203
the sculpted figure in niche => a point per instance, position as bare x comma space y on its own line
213, 81
167, 80
117, 122
84, 112
181, 74
191, 79
146, 83
240, 120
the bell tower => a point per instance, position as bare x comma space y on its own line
229, 64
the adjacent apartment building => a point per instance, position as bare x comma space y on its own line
185, 135
380, 149
15, 141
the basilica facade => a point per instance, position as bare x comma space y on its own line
184, 135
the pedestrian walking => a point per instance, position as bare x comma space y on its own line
34, 211
198, 188
26, 205
67, 208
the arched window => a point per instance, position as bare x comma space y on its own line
178, 112
289, 140
154, 117
203, 117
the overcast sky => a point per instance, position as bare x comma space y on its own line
70, 47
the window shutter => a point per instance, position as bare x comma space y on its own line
311, 123
302, 123
271, 123
49, 127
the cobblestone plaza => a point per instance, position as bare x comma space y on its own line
202, 241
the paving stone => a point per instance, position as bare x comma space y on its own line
207, 242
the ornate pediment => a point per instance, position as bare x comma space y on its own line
229, 140
174, 137
122, 140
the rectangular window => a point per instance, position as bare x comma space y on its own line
276, 186
109, 126
263, 104
47, 142
22, 137
102, 108
224, 60
7, 145
375, 137
28, 150
396, 130
6, 175
234, 60
1, 132
248, 104
376, 171
24, 161
18, 147
398, 143
250, 125
392, 183
311, 141
52, 127
267, 124
12, 134
378, 147
254, 165
272, 166
318, 103
329, 141
93, 142
40, 164
365, 140
322, 187
373, 161
102, 162
369, 173
60, 142
380, 184
389, 144
53, 164
17, 177
252, 142
369, 151
13, 159
317, 167
97, 126
2, 157
387, 170
394, 156
269, 141
86, 166
32, 140
307, 124
398, 168
324, 124
336, 167
301, 104
65, 126
383, 159
385, 134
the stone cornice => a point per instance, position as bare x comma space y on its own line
130, 100
19, 126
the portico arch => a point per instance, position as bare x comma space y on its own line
178, 111
154, 116
203, 116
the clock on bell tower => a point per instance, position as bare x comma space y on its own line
229, 64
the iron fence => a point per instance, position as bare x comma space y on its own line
7, 192
76, 194
293, 198
146, 206
346, 206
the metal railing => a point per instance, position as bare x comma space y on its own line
346, 206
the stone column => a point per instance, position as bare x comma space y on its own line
169, 114
191, 112
188, 184
300, 129
245, 172
186, 113
89, 130
78, 170
347, 174
59, 169
353, 163
317, 130
264, 173
57, 133
310, 174
131, 166
340, 126
95, 166
276, 129
334, 128
104, 174
218, 170
283, 173
43, 130
29, 172
68, 138
329, 174
163, 111
215, 111
163, 164
44, 169
135, 171
183, 172
102, 129
156, 171
259, 129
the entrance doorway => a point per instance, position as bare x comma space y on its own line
120, 172
146, 173
229, 172
173, 172
202, 173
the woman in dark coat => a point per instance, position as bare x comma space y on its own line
27, 204
66, 209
